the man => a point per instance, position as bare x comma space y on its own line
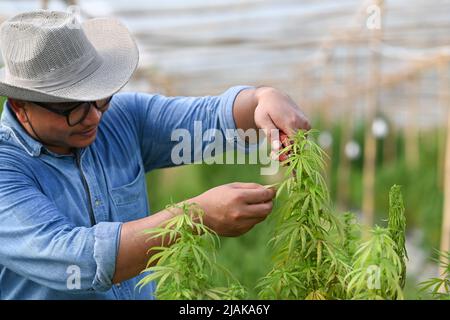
74, 153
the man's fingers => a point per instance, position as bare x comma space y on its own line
288, 129
274, 186
294, 122
282, 157
265, 122
246, 185
253, 196
284, 139
260, 210
304, 122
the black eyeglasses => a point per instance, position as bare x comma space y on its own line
75, 113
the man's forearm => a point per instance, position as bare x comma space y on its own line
133, 252
229, 210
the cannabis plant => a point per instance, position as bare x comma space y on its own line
352, 235
188, 269
309, 261
319, 255
397, 228
376, 270
439, 288
379, 267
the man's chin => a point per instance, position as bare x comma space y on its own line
83, 143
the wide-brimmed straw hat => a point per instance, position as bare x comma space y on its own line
50, 56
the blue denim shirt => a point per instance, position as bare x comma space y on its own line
48, 235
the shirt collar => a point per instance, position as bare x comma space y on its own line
24, 140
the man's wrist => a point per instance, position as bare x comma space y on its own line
262, 91
244, 109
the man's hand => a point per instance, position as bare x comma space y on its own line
233, 209
276, 110
268, 108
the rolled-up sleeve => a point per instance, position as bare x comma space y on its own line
226, 119
106, 243
156, 117
41, 244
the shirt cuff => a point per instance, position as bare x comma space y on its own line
106, 237
227, 121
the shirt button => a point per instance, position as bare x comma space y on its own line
97, 203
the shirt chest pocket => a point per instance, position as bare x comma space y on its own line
130, 199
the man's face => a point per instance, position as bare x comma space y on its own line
53, 129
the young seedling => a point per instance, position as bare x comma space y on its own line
187, 269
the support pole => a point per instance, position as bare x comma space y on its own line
344, 171
370, 147
445, 233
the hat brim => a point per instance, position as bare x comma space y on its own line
119, 55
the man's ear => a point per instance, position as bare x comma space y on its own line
18, 108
